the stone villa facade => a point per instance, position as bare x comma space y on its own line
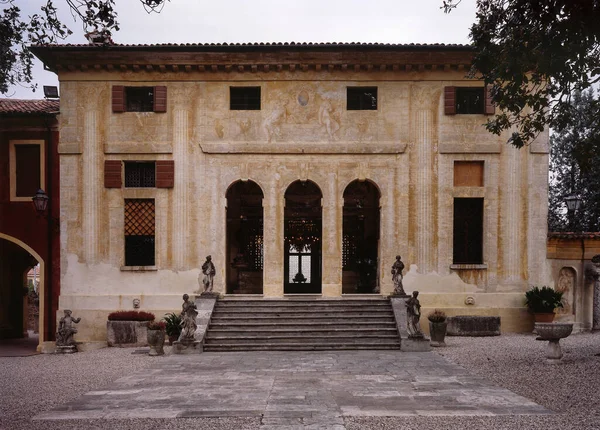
300, 168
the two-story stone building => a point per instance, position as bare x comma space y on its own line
301, 168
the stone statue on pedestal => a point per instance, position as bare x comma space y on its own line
208, 269
64, 335
413, 314
397, 276
188, 320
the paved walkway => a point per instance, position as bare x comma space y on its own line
313, 389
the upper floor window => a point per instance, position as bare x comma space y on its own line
139, 99
468, 100
468, 173
140, 174
244, 98
26, 164
361, 98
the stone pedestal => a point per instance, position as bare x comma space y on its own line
68, 349
187, 347
415, 344
553, 351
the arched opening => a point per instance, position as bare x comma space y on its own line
244, 238
302, 238
20, 300
360, 243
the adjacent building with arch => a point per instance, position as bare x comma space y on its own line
300, 168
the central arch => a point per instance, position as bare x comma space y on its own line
302, 238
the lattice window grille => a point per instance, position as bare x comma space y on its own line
140, 175
139, 217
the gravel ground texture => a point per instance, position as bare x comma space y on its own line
29, 385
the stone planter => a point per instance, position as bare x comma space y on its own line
547, 317
438, 333
156, 342
127, 333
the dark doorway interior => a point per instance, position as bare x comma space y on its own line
244, 238
360, 241
302, 238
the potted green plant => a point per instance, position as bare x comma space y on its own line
156, 337
128, 328
437, 327
542, 302
173, 326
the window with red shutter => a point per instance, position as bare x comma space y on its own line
118, 98
165, 174
450, 100
139, 99
490, 107
112, 174
160, 99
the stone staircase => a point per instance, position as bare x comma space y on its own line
301, 324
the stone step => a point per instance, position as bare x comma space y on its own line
301, 319
299, 332
301, 303
307, 308
307, 338
350, 325
298, 314
299, 347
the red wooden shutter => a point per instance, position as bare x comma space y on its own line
118, 98
450, 100
165, 174
160, 99
490, 107
112, 174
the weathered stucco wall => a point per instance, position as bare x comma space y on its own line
407, 147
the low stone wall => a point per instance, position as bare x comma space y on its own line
127, 333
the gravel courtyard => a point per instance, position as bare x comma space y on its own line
32, 385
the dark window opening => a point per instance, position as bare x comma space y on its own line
469, 100
244, 98
27, 170
139, 99
139, 228
468, 231
361, 98
140, 174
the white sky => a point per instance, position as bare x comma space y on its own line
200, 21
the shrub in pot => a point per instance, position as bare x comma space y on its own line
128, 328
156, 337
172, 326
542, 301
437, 327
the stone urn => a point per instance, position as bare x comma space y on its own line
156, 341
437, 331
553, 333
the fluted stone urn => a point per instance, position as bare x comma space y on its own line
553, 333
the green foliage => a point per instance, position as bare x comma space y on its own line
173, 324
535, 55
437, 316
543, 300
575, 167
17, 32
130, 316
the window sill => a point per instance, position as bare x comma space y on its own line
468, 267
139, 268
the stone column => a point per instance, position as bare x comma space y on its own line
331, 239
424, 196
90, 187
511, 218
180, 227
273, 241
388, 234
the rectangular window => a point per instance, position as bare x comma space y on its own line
469, 100
139, 99
140, 174
26, 167
468, 231
361, 98
468, 173
139, 229
244, 98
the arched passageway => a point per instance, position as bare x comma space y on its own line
15, 293
302, 238
244, 238
360, 244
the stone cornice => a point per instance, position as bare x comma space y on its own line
255, 58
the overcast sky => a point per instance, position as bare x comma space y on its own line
200, 21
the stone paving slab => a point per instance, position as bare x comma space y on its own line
297, 389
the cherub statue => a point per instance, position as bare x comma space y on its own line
413, 314
64, 335
208, 269
397, 276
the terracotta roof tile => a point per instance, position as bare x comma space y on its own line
17, 106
